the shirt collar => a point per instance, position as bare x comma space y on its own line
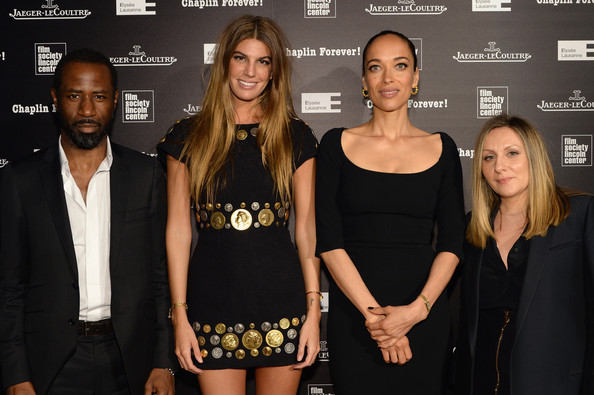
104, 166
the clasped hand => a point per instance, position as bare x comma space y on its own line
389, 325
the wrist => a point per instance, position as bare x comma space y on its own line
314, 312
421, 308
175, 306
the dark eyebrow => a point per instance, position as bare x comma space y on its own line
244, 55
396, 58
80, 91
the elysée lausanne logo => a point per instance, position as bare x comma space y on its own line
49, 10
492, 54
139, 58
576, 102
406, 7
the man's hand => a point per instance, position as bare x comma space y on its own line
160, 382
25, 388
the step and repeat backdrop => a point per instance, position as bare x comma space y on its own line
477, 58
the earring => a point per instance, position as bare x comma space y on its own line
365, 93
415, 90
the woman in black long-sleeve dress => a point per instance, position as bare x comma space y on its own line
381, 188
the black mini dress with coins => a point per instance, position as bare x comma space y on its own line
245, 285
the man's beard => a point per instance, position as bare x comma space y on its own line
86, 141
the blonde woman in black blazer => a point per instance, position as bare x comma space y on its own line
527, 319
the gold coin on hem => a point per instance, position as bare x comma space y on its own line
240, 354
220, 328
230, 341
201, 341
241, 134
209, 206
295, 321
267, 351
241, 219
217, 220
206, 328
266, 217
204, 353
254, 353
274, 338
284, 323
252, 339
277, 205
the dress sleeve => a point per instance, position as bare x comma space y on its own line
328, 218
449, 213
173, 142
305, 144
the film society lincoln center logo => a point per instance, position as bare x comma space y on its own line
138, 106
48, 10
491, 101
47, 56
319, 9
137, 57
320, 389
406, 7
576, 150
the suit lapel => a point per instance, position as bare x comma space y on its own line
53, 186
119, 181
539, 247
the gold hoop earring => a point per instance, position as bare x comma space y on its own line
415, 90
365, 93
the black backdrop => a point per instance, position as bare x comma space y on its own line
533, 58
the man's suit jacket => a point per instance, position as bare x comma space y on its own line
39, 297
553, 351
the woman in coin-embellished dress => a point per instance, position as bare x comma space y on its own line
246, 298
381, 188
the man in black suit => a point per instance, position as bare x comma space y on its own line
83, 277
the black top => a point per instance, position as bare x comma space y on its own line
364, 206
501, 287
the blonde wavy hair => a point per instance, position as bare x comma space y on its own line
547, 204
212, 135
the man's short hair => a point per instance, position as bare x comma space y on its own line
84, 55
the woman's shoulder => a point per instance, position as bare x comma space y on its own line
179, 131
332, 137
446, 140
301, 130
581, 203
173, 141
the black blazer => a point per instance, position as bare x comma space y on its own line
553, 351
39, 298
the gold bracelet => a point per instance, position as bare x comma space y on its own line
175, 305
315, 292
427, 303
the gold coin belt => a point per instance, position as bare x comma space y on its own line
240, 341
255, 214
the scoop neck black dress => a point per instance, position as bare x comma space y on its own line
385, 222
245, 285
